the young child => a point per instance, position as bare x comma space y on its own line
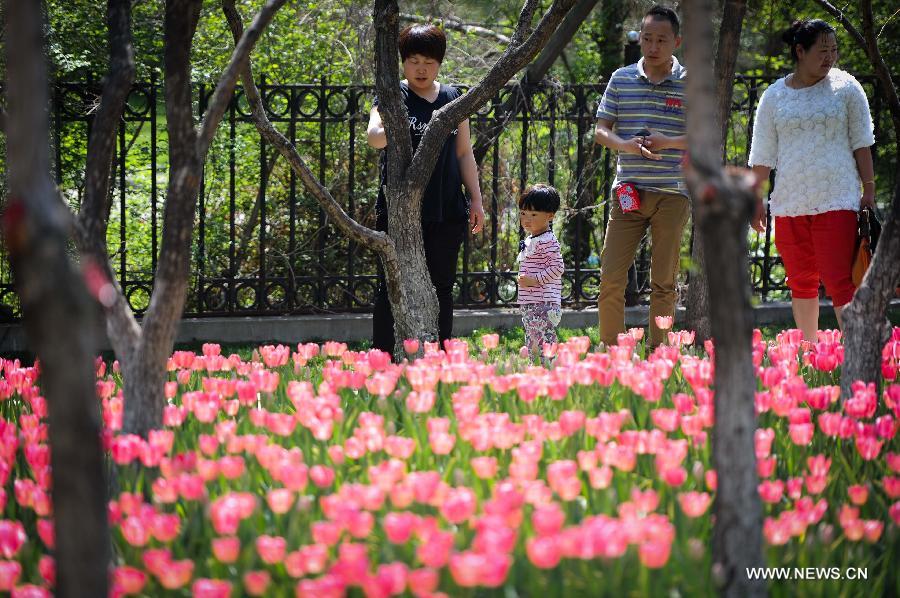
540, 268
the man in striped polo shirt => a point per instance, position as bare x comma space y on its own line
642, 117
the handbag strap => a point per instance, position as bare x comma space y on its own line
863, 223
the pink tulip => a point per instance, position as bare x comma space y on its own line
10, 571
12, 537
29, 590
271, 549
543, 552
548, 519
211, 588
256, 582
411, 346
765, 467
398, 526
459, 505
226, 549
858, 493
47, 569
129, 580
485, 468
872, 530
654, 554
675, 476
280, 500
321, 476
894, 512
801, 434
46, 533
490, 341
663, 322
868, 447
423, 581
165, 527
794, 487
891, 486
466, 568
326, 532
434, 552
176, 574
694, 504
771, 491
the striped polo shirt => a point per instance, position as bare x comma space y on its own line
634, 104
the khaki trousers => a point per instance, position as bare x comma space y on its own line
666, 215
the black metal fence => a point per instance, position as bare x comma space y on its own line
262, 245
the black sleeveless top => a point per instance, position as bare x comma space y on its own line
444, 200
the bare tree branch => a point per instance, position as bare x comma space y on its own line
455, 24
221, 97
535, 72
359, 233
843, 20
122, 328
387, 87
523, 26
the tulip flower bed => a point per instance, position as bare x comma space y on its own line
322, 471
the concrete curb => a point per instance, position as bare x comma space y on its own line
356, 327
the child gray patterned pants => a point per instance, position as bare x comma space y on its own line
540, 321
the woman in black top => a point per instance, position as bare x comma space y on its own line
446, 211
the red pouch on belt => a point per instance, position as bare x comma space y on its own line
629, 199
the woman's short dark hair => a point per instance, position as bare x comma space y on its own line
664, 13
540, 198
805, 32
426, 40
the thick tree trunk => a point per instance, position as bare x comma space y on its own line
697, 300
866, 327
723, 204
144, 388
59, 314
144, 397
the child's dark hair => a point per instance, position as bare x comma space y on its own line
664, 13
427, 40
540, 198
805, 32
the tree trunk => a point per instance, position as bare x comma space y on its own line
697, 300
59, 314
866, 327
414, 302
723, 204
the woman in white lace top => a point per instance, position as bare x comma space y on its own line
815, 129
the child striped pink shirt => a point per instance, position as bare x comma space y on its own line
541, 258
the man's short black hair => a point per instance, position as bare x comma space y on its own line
427, 40
540, 198
664, 13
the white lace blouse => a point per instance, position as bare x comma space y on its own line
808, 136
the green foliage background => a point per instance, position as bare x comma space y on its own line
313, 42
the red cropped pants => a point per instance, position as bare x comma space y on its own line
818, 247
